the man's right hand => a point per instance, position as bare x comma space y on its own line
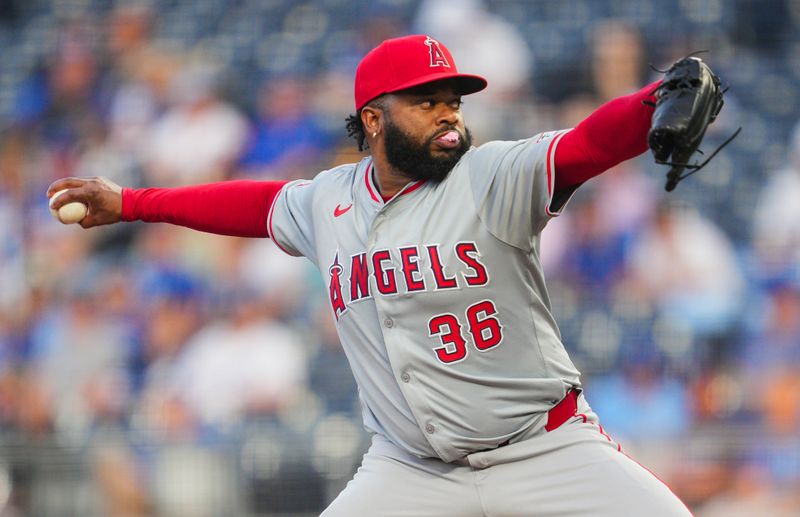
101, 195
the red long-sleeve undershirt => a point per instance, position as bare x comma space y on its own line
613, 133
237, 208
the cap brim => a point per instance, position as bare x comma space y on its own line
466, 83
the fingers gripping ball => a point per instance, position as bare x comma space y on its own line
71, 213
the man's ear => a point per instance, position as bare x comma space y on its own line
372, 118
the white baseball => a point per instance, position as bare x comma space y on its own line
70, 213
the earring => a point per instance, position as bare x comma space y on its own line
374, 134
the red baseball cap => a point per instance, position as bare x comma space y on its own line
400, 63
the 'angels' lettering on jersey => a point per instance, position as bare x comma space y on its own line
402, 270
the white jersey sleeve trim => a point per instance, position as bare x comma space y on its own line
551, 176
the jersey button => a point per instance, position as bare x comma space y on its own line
430, 429
388, 323
405, 377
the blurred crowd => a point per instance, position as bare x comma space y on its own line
152, 370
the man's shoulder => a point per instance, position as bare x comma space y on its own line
329, 182
340, 174
493, 151
504, 145
487, 152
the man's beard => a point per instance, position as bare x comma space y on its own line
416, 160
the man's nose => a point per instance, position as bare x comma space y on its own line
447, 115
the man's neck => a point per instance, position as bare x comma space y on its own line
389, 180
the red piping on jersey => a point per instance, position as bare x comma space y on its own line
662, 482
269, 221
550, 173
549, 166
600, 429
367, 180
412, 188
619, 448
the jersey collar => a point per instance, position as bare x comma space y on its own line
372, 188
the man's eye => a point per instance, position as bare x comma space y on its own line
457, 104
427, 104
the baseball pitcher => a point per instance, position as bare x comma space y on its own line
429, 248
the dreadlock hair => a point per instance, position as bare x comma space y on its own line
355, 127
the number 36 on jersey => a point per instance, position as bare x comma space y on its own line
420, 268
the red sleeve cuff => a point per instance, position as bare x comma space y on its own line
128, 204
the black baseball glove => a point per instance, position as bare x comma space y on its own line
687, 101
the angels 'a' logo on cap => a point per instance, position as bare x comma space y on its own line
437, 56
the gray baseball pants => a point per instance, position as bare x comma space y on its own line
573, 470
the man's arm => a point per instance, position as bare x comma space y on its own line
237, 208
615, 132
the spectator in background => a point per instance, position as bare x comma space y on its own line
771, 367
663, 412
626, 197
686, 267
286, 139
245, 365
200, 137
776, 450
597, 253
286, 284
12, 252
134, 87
774, 343
621, 202
776, 224
57, 110
768, 481
618, 65
330, 374
77, 363
172, 312
139, 76
8, 375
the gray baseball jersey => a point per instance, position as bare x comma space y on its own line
439, 295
